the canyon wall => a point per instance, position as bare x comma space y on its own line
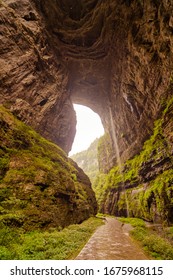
33, 78
112, 56
40, 187
142, 186
115, 57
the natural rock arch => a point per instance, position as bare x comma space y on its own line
109, 55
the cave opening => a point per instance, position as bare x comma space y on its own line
89, 127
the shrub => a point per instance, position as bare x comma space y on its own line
156, 246
51, 244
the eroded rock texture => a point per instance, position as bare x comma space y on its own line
39, 186
33, 77
143, 187
113, 56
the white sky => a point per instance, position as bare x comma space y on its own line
89, 127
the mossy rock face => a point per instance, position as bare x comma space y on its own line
143, 186
39, 185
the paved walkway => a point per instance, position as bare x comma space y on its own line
111, 242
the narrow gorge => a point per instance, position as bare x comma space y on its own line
115, 57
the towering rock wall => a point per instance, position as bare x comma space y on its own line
119, 56
142, 187
33, 79
113, 56
142, 63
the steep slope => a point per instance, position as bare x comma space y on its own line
39, 186
33, 77
88, 160
143, 186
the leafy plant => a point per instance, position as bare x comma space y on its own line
51, 244
157, 247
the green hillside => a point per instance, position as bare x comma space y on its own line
40, 187
88, 161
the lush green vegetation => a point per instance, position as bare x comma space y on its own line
55, 243
156, 246
37, 180
100, 187
135, 222
42, 192
105, 153
88, 161
137, 183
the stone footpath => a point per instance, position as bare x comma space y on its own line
111, 242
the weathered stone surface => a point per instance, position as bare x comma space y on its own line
113, 56
33, 76
143, 186
39, 186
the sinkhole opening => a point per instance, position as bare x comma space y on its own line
88, 128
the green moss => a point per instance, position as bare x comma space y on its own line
105, 153
115, 177
74, 177
100, 187
4, 165
168, 106
15, 176
36, 175
160, 191
13, 220
143, 188
4, 162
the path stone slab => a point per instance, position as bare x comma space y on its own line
111, 242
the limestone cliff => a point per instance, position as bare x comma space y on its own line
143, 186
114, 56
33, 78
39, 186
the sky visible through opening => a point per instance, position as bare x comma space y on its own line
89, 127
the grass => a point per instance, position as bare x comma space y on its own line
53, 244
155, 246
